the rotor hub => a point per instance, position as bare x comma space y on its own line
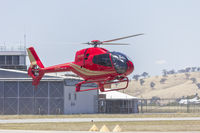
95, 42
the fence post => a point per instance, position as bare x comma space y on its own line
141, 106
3, 97
188, 106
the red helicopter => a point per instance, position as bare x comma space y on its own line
95, 65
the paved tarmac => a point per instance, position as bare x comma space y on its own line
34, 131
95, 120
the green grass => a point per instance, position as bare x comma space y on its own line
169, 109
100, 116
126, 126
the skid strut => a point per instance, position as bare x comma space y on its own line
101, 85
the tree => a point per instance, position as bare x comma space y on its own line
187, 75
198, 85
155, 100
171, 72
187, 69
144, 74
194, 69
198, 69
164, 72
152, 84
162, 81
136, 77
181, 71
142, 81
193, 80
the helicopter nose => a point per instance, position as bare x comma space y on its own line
130, 67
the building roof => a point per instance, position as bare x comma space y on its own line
10, 74
13, 53
117, 95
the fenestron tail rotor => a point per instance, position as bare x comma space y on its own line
95, 43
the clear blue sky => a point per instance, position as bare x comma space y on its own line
53, 27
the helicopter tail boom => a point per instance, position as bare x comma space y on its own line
37, 69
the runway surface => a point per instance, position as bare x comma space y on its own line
34, 131
96, 120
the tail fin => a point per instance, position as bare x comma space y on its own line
35, 70
34, 59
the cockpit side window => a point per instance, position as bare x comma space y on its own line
102, 59
86, 56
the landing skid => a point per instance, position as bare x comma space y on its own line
101, 85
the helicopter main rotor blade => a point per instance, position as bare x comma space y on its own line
86, 43
105, 43
123, 37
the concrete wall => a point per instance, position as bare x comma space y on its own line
80, 102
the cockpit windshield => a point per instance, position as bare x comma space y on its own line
119, 61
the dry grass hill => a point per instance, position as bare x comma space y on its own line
175, 86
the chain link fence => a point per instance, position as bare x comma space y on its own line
19, 97
168, 106
127, 106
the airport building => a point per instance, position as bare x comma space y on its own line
12, 58
117, 102
54, 95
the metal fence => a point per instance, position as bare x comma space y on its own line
127, 106
168, 106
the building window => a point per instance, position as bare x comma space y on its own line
16, 60
69, 96
75, 97
8, 60
22, 60
2, 60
